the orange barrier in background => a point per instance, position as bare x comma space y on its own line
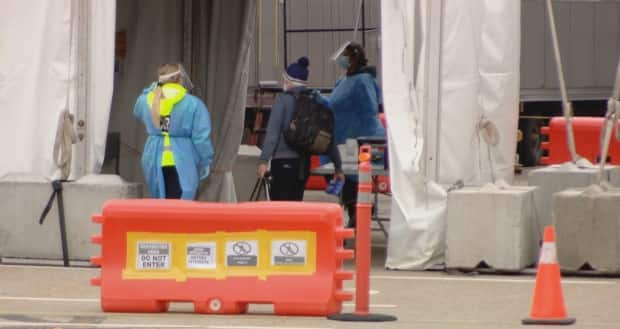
587, 140
315, 182
222, 257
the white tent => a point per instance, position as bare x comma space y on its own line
449, 66
60, 56
44, 70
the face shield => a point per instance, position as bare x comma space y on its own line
339, 51
180, 75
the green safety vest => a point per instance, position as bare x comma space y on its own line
173, 93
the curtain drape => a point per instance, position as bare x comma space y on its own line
229, 37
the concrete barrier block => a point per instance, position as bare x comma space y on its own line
553, 179
23, 198
244, 171
86, 197
587, 223
490, 225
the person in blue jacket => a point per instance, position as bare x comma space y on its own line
355, 101
178, 150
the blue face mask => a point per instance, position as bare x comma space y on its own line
344, 62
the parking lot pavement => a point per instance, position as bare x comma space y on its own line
54, 297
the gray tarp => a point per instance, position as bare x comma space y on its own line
212, 39
230, 30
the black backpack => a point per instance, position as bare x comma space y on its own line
311, 130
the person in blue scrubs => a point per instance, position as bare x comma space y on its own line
178, 150
355, 101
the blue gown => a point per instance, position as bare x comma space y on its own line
355, 103
190, 128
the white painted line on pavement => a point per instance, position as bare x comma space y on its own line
373, 305
257, 327
96, 300
482, 279
14, 324
49, 267
370, 292
51, 299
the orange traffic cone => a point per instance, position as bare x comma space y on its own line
548, 304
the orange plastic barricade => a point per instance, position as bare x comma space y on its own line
222, 257
315, 182
587, 132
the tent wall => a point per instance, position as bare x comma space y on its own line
480, 78
418, 203
55, 57
476, 78
96, 65
498, 92
36, 73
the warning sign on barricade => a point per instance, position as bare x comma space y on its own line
285, 252
201, 255
242, 253
153, 256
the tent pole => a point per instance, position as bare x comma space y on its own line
611, 117
285, 32
566, 105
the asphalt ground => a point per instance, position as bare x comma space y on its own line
56, 297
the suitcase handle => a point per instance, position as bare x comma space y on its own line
262, 183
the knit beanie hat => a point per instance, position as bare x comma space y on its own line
298, 71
